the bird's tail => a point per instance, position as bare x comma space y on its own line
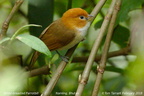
33, 59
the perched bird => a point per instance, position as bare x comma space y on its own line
65, 32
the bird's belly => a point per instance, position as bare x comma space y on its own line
78, 38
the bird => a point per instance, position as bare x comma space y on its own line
65, 32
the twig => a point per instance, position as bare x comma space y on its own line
123, 51
101, 13
98, 8
85, 75
43, 70
57, 74
102, 64
8, 19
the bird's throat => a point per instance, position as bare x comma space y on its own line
83, 30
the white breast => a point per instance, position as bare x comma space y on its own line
84, 29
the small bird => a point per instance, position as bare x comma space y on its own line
65, 32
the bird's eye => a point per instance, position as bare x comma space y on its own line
82, 17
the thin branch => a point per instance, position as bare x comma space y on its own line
102, 64
45, 70
123, 51
101, 13
57, 74
8, 19
85, 75
97, 8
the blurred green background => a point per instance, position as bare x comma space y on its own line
128, 77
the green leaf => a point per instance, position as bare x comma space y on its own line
115, 84
114, 69
121, 36
128, 5
34, 43
98, 24
4, 40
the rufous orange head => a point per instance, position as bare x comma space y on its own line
76, 18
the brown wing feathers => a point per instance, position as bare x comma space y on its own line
54, 37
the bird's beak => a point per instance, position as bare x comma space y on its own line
90, 17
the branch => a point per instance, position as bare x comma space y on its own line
40, 71
123, 51
102, 64
98, 8
45, 70
85, 75
57, 74
8, 19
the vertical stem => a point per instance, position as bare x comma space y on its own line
91, 58
57, 74
98, 7
105, 50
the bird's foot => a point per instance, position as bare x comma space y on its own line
65, 58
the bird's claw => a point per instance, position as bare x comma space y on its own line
65, 58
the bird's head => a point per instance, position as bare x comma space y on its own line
76, 18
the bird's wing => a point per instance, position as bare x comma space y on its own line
57, 35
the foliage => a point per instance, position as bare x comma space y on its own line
43, 12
